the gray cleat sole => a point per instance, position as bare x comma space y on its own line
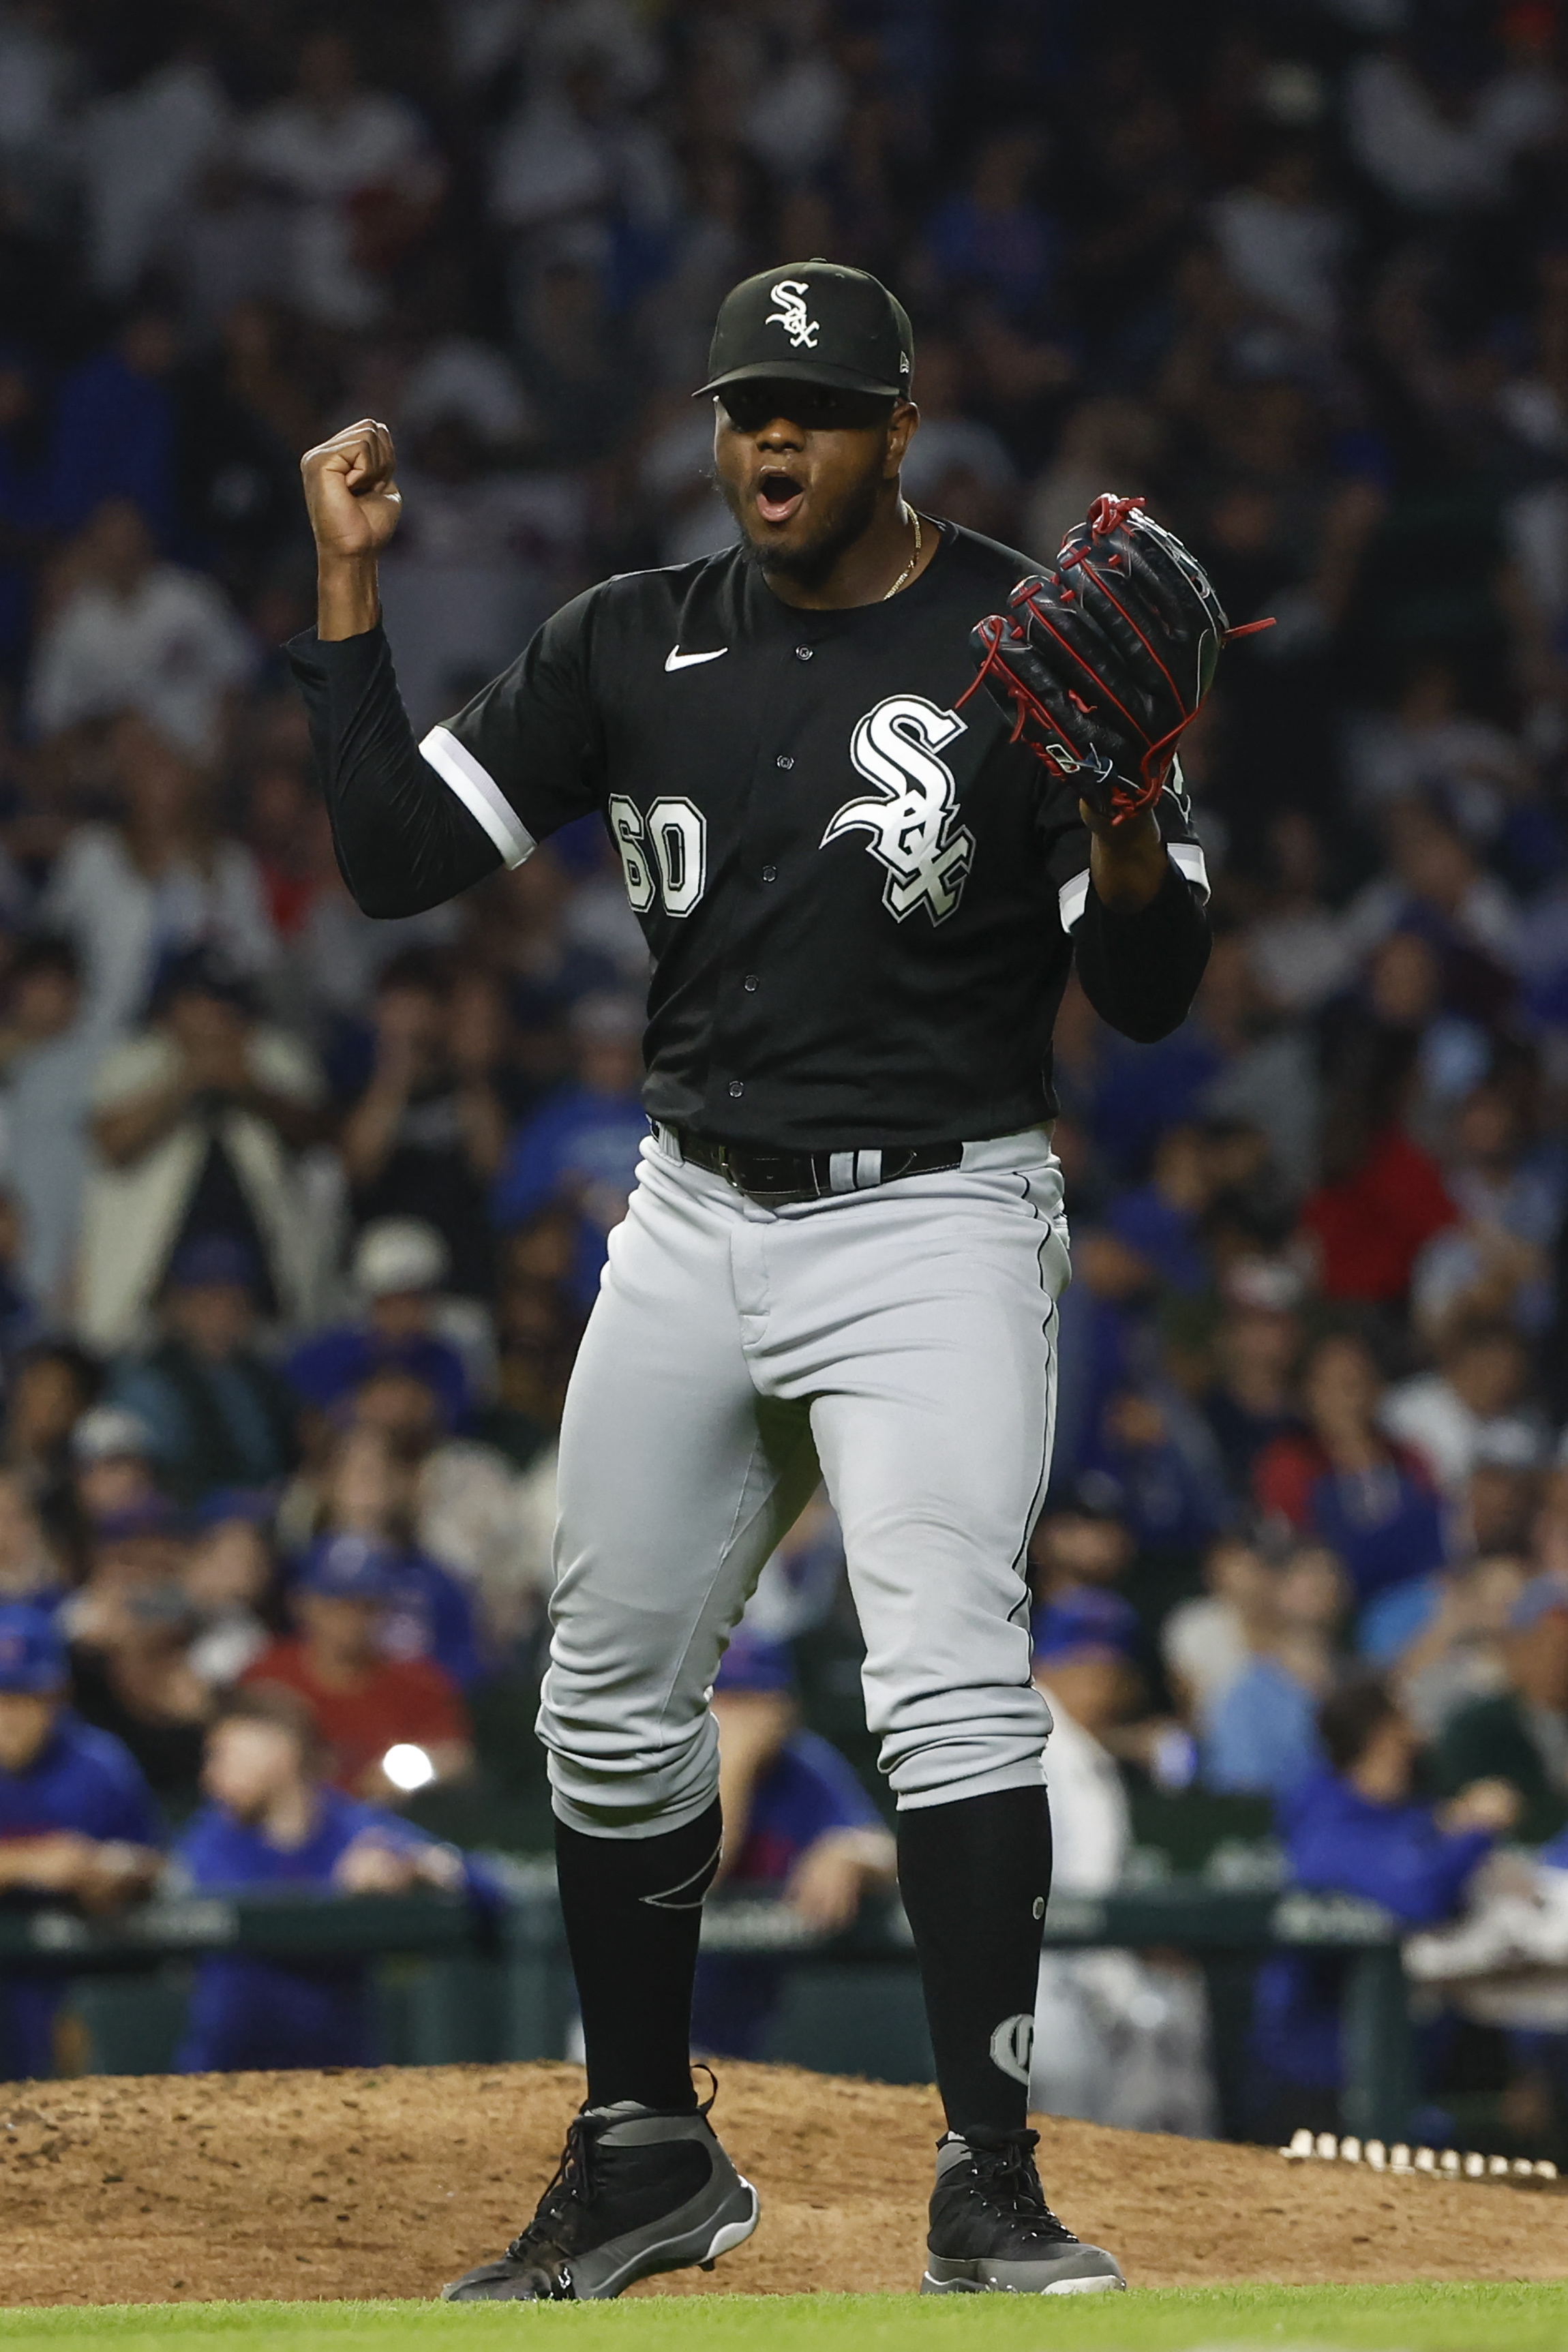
1089, 2270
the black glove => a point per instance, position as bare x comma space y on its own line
1102, 663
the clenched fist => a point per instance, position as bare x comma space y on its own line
349, 492
353, 504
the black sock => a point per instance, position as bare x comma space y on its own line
633, 1909
975, 1876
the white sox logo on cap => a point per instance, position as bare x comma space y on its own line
790, 294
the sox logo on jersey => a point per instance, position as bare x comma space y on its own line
914, 822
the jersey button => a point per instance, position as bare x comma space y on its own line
804, 653
736, 1088
770, 874
784, 760
750, 984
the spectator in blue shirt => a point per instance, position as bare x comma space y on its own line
797, 1825
369, 1502
1163, 1220
1356, 1827
398, 1268
992, 236
272, 1822
1158, 1463
581, 1145
77, 1819
1259, 1736
113, 434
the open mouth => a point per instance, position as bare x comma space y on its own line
778, 495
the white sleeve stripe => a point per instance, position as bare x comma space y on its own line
1185, 855
1072, 899
479, 793
1188, 859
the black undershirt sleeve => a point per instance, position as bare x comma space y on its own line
1140, 971
404, 840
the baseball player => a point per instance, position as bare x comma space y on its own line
862, 882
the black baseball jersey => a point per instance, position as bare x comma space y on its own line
861, 899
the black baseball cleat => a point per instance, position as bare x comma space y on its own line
992, 2231
635, 2191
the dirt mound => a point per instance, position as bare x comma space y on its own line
123, 2189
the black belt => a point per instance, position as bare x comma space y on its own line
766, 1175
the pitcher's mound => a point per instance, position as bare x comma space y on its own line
153, 2189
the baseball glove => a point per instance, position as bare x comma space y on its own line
1103, 662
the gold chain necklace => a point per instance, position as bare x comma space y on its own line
904, 577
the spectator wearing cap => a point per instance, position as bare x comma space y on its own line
399, 1266
1116, 2040
1356, 1827
582, 1146
272, 1821
195, 1121
1342, 1479
1520, 1735
129, 1625
111, 1466
1257, 1735
366, 1703
1085, 1651
218, 1412
77, 1818
425, 1136
797, 1825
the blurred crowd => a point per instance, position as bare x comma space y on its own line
300, 1215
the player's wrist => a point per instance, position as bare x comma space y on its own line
348, 594
1127, 864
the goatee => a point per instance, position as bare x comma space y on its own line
812, 562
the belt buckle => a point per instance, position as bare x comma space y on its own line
726, 1170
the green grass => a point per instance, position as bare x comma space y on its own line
1431, 2318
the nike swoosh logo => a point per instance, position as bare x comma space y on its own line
675, 659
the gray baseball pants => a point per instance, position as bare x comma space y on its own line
899, 1343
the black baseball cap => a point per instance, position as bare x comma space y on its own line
812, 322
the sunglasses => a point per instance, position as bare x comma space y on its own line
815, 407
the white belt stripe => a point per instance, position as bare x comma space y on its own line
479, 793
1185, 855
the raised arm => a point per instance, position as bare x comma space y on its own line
405, 839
